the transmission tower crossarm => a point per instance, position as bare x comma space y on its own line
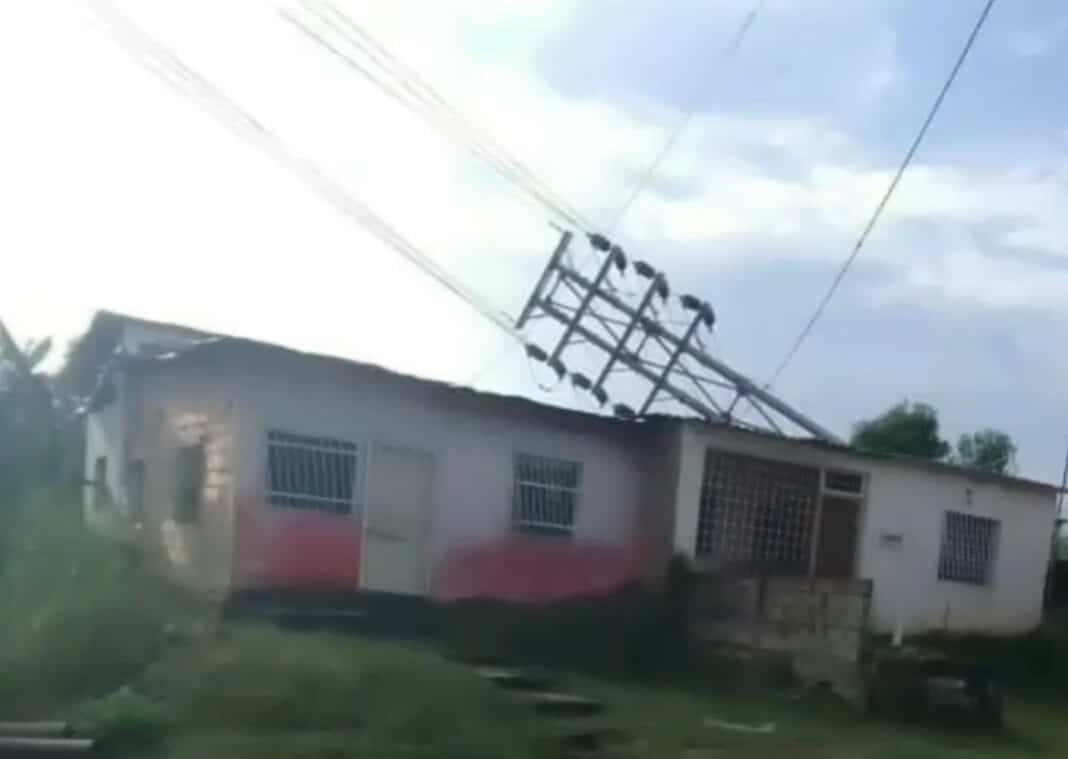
622, 345
584, 304
535, 297
680, 348
632, 362
744, 385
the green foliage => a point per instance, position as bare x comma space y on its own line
909, 429
76, 619
386, 698
87, 635
125, 719
988, 450
1036, 660
29, 446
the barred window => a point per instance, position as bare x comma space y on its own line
969, 547
311, 472
546, 494
756, 515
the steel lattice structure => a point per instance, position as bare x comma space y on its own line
633, 336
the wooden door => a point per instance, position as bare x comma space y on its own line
839, 530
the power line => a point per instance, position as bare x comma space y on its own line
155, 57
803, 335
650, 172
731, 49
403, 84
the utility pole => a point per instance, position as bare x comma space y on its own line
632, 337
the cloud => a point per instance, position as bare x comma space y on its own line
124, 196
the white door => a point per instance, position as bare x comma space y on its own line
397, 522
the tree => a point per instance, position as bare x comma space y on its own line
27, 420
988, 450
907, 428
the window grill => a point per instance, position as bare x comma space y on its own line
969, 547
314, 473
756, 515
546, 494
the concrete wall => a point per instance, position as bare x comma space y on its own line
912, 504
169, 409
151, 416
909, 501
474, 551
105, 437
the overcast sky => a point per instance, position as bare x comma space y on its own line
119, 194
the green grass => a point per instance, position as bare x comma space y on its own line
670, 720
87, 634
77, 619
340, 696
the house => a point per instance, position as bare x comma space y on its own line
244, 465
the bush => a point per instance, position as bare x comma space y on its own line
77, 620
1036, 659
123, 719
387, 697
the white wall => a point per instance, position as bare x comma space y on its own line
910, 501
913, 503
474, 444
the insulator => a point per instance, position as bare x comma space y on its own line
536, 353
600, 242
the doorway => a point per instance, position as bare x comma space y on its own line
396, 534
839, 528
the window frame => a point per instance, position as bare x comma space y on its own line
277, 439
949, 567
828, 488
756, 514
542, 527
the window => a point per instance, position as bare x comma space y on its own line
546, 494
189, 482
311, 472
756, 515
969, 545
843, 482
100, 482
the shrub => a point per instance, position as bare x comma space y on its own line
77, 620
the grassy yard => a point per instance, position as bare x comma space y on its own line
258, 692
672, 721
89, 636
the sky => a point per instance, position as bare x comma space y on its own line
119, 193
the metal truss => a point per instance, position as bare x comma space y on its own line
633, 336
